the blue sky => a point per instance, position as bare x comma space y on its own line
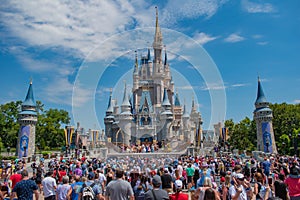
76, 51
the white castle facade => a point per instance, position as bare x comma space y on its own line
152, 112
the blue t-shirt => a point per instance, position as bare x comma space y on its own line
24, 189
76, 188
266, 165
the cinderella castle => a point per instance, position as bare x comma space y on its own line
152, 112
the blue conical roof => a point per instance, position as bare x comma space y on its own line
166, 58
149, 56
29, 100
110, 106
260, 94
166, 101
177, 102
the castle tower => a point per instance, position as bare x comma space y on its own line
264, 127
109, 118
166, 117
27, 120
185, 124
177, 111
125, 119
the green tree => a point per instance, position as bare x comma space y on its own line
242, 135
286, 122
9, 126
49, 131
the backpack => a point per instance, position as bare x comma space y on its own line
88, 192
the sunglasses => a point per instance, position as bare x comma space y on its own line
241, 179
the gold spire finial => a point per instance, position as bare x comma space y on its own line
30, 81
110, 90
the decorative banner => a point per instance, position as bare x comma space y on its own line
68, 134
24, 141
225, 134
267, 140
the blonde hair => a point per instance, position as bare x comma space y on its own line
207, 182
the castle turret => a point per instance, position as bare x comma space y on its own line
264, 128
136, 73
27, 120
125, 118
166, 117
109, 117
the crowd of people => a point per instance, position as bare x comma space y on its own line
136, 178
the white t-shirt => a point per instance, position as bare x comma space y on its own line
243, 194
49, 185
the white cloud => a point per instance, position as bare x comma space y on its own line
257, 36
297, 101
234, 37
262, 43
214, 87
262, 7
203, 38
177, 9
75, 28
239, 85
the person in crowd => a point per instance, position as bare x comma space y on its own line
49, 186
178, 195
167, 181
210, 194
15, 178
109, 175
190, 171
224, 188
238, 191
96, 188
261, 190
74, 191
119, 189
156, 193
25, 189
293, 183
266, 165
62, 189
280, 188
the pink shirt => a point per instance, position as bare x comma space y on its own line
293, 186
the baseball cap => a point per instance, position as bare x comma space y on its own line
178, 184
156, 180
239, 176
223, 179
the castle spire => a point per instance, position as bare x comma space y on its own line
110, 108
166, 59
136, 64
157, 43
125, 97
193, 105
177, 102
166, 101
185, 113
260, 94
29, 100
149, 56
